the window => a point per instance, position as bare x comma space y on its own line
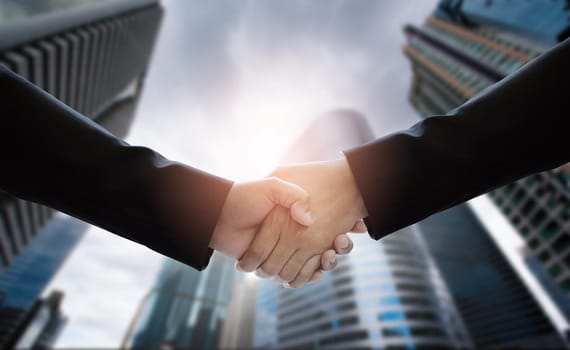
410, 287
421, 316
550, 230
555, 270
342, 281
544, 256
539, 218
561, 243
351, 336
534, 243
347, 321
391, 316
399, 332
428, 332
346, 306
344, 293
566, 285
390, 301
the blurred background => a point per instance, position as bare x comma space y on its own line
235, 88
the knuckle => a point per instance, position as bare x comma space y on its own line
287, 275
268, 270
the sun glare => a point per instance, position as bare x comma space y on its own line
272, 105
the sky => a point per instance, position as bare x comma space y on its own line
231, 84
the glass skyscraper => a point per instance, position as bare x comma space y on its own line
496, 306
386, 295
463, 48
91, 55
185, 309
24, 281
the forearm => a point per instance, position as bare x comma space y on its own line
516, 128
59, 158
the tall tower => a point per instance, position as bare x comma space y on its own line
463, 48
382, 295
185, 309
91, 55
497, 308
23, 282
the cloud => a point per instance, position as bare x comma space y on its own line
104, 279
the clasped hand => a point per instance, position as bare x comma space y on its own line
291, 226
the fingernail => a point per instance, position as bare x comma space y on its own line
286, 285
238, 267
346, 243
333, 261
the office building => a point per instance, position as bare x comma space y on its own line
185, 309
91, 55
22, 284
45, 322
496, 306
237, 331
384, 295
463, 48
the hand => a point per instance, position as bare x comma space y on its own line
279, 221
247, 205
336, 205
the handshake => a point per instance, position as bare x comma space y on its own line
291, 225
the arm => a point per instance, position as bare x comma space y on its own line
517, 127
55, 156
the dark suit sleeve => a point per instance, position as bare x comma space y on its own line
54, 156
517, 127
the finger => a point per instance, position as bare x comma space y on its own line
277, 259
294, 266
290, 195
343, 244
259, 273
264, 241
328, 260
307, 271
359, 227
317, 276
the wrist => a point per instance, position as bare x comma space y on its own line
348, 184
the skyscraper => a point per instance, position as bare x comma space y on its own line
383, 295
462, 49
496, 306
91, 55
46, 320
185, 309
24, 281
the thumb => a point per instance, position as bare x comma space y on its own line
292, 196
359, 227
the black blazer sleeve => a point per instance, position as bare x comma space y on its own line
55, 156
517, 127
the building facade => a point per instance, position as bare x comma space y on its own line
463, 48
385, 295
23, 282
46, 320
91, 55
496, 306
185, 309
